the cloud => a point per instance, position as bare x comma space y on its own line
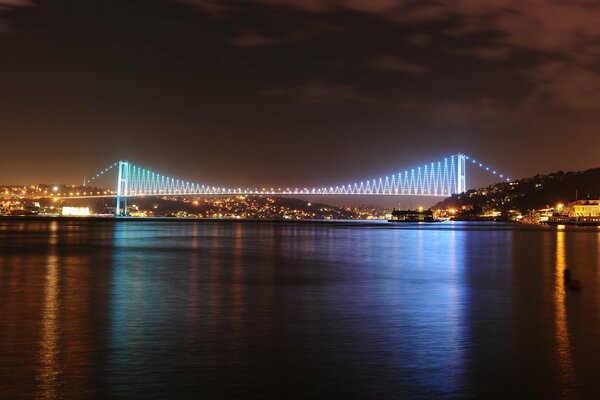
319, 92
216, 8
396, 64
7, 5
562, 84
562, 38
303, 5
418, 39
540, 25
15, 3
273, 92
491, 53
308, 31
253, 39
554, 44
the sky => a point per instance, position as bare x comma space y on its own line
296, 92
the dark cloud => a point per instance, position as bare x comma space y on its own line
14, 3
541, 25
318, 92
396, 64
308, 31
273, 92
566, 85
215, 8
7, 5
491, 53
254, 39
418, 39
553, 29
545, 25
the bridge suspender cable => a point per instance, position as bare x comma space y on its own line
441, 178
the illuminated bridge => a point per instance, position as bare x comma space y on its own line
441, 178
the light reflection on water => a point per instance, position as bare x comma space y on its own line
49, 364
248, 310
563, 341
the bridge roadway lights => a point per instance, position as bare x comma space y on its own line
447, 175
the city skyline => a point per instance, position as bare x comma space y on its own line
295, 92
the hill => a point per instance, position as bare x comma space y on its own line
525, 194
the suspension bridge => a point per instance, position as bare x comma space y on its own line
440, 178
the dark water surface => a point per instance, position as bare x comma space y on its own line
259, 310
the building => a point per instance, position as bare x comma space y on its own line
584, 208
419, 215
579, 212
76, 211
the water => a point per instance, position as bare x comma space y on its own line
261, 310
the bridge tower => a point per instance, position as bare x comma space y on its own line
122, 188
461, 183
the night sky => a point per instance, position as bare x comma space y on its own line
296, 92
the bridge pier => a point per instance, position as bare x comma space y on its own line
122, 188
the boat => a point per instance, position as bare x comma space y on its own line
419, 215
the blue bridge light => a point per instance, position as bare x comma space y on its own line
439, 178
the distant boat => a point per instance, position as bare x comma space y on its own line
412, 216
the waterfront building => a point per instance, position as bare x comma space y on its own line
584, 208
579, 212
419, 215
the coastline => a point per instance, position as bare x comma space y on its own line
444, 225
113, 219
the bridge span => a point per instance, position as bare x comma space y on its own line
441, 178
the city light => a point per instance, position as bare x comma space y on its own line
76, 211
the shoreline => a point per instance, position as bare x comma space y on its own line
333, 222
113, 219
